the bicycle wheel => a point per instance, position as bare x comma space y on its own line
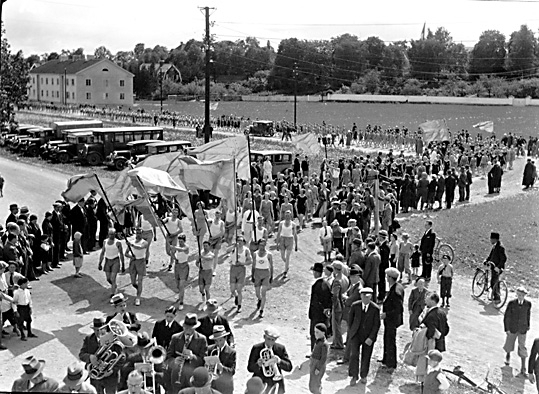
502, 289
479, 283
446, 249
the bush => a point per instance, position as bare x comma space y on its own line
412, 87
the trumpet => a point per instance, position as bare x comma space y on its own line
211, 363
269, 366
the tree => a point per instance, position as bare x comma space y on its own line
426, 58
521, 52
52, 56
139, 51
102, 53
375, 52
14, 81
488, 55
349, 59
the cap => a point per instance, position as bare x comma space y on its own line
366, 290
357, 241
272, 332
321, 327
337, 265
392, 272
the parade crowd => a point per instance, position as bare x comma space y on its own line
368, 263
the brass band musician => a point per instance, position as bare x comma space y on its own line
225, 368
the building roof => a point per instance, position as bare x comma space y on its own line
61, 66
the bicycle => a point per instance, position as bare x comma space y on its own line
481, 284
442, 248
492, 379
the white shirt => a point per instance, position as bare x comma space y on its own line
140, 253
326, 233
21, 297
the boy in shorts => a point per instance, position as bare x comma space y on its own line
137, 266
180, 255
205, 273
262, 274
113, 254
241, 257
77, 253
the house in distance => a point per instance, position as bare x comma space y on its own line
81, 81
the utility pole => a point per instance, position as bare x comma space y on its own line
207, 43
160, 75
295, 95
1, 24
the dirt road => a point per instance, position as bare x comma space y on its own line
64, 307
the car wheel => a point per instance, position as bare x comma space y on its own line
120, 164
94, 159
63, 158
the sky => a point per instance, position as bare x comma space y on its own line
44, 26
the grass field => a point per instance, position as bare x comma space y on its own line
522, 120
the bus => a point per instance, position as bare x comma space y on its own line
58, 127
107, 140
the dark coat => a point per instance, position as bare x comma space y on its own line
198, 346
163, 334
436, 319
48, 385
393, 306
440, 188
533, 361
517, 317
364, 326
206, 328
497, 255
428, 241
285, 364
320, 300
527, 177
372, 267
227, 357
450, 183
495, 176
342, 218
89, 347
416, 304
79, 219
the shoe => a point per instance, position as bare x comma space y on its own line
285, 274
123, 270
32, 336
507, 358
23, 339
258, 304
353, 381
135, 285
239, 309
448, 305
137, 302
261, 314
169, 268
363, 380
443, 305
236, 300
180, 307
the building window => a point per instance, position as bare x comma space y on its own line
47, 93
73, 96
52, 81
57, 81
46, 81
73, 82
42, 80
42, 93
105, 96
88, 82
88, 96
67, 95
106, 83
67, 82
122, 96
122, 83
58, 94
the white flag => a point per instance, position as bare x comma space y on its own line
307, 143
487, 126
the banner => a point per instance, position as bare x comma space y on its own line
226, 149
307, 143
487, 126
435, 130
78, 186
156, 181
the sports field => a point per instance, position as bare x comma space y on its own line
522, 120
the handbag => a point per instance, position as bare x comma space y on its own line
409, 357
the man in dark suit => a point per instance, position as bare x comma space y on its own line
79, 222
533, 364
364, 323
384, 263
320, 303
371, 277
58, 239
213, 319
516, 323
332, 212
343, 215
436, 322
226, 366
498, 257
428, 241
393, 310
163, 330
87, 353
188, 347
352, 295
280, 358
119, 302
13, 214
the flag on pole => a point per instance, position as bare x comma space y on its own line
487, 126
226, 149
78, 186
435, 130
307, 143
213, 106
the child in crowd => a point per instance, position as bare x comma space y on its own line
405, 251
337, 236
180, 254
326, 240
416, 258
318, 359
77, 253
435, 381
445, 278
22, 306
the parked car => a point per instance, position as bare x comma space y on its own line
119, 159
38, 137
161, 147
262, 128
280, 159
68, 150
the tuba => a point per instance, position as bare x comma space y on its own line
110, 352
152, 364
270, 368
211, 363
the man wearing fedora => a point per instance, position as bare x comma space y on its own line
200, 383
189, 346
428, 241
90, 345
33, 379
320, 302
136, 354
119, 301
256, 364
75, 380
226, 367
212, 319
392, 315
516, 322
13, 214
498, 257
364, 322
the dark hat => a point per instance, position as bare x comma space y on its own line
171, 309
354, 271
494, 235
329, 267
98, 322
218, 332
76, 374
201, 377
181, 236
317, 267
212, 306
32, 367
33, 217
24, 209
190, 320
13, 206
321, 327
15, 263
118, 299
357, 241
144, 340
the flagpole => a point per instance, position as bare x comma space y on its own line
235, 208
251, 179
195, 223
152, 209
112, 209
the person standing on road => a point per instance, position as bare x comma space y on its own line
287, 237
371, 270
516, 323
138, 253
320, 302
392, 315
498, 258
338, 289
262, 274
2, 182
416, 303
428, 241
113, 254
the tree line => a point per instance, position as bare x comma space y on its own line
434, 64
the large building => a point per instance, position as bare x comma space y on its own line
87, 81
